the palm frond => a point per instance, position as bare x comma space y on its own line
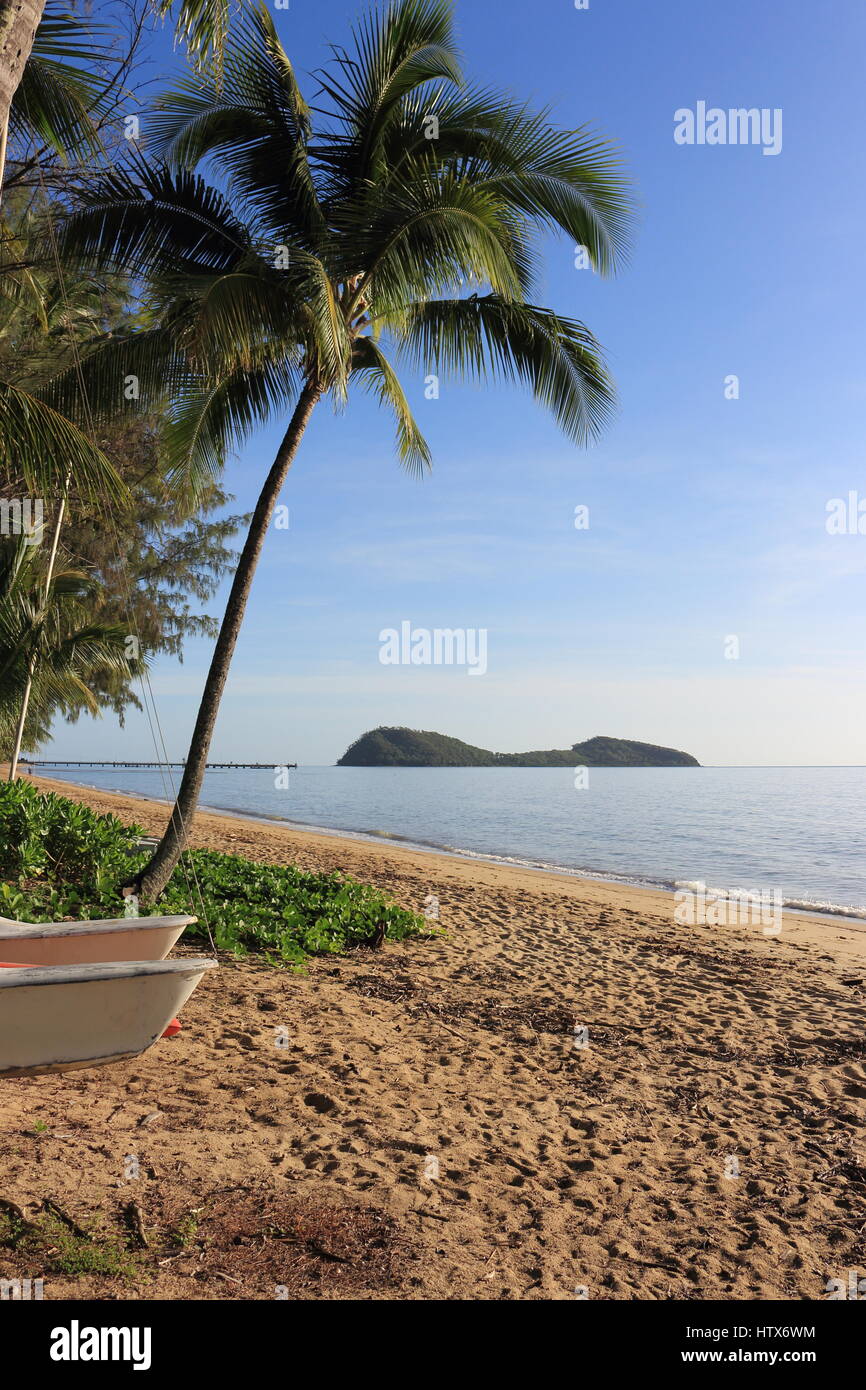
40, 444
115, 374
404, 46
240, 317
210, 416
373, 370
431, 234
61, 95
149, 219
255, 119
570, 181
490, 337
202, 25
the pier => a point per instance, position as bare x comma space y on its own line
40, 762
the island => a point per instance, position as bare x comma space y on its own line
399, 747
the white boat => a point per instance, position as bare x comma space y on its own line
77, 943
61, 1017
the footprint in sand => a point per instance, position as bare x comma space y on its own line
323, 1105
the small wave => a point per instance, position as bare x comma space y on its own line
379, 835
816, 905
831, 909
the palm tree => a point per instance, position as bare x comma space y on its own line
336, 250
49, 640
53, 106
19, 20
203, 25
61, 95
43, 453
55, 95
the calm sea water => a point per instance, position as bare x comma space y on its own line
799, 830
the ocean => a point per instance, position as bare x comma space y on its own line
798, 831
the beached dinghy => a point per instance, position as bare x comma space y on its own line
61, 1017
79, 943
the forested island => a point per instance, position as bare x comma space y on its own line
400, 747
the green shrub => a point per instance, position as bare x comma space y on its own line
55, 1249
46, 837
283, 910
62, 860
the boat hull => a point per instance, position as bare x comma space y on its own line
62, 1018
82, 943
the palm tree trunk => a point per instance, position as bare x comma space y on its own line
153, 878
19, 20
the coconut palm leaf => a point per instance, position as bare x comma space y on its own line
568, 181
490, 337
256, 120
371, 368
217, 413
61, 95
398, 51
43, 445
48, 638
140, 371
203, 25
149, 219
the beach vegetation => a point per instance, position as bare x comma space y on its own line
61, 860
61, 77
155, 554
50, 644
57, 1245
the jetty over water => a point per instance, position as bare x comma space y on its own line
53, 762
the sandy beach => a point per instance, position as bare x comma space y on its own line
422, 1122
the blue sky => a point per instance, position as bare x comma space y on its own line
707, 515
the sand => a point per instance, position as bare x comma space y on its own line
422, 1122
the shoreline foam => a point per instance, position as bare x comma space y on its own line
829, 911
378, 859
